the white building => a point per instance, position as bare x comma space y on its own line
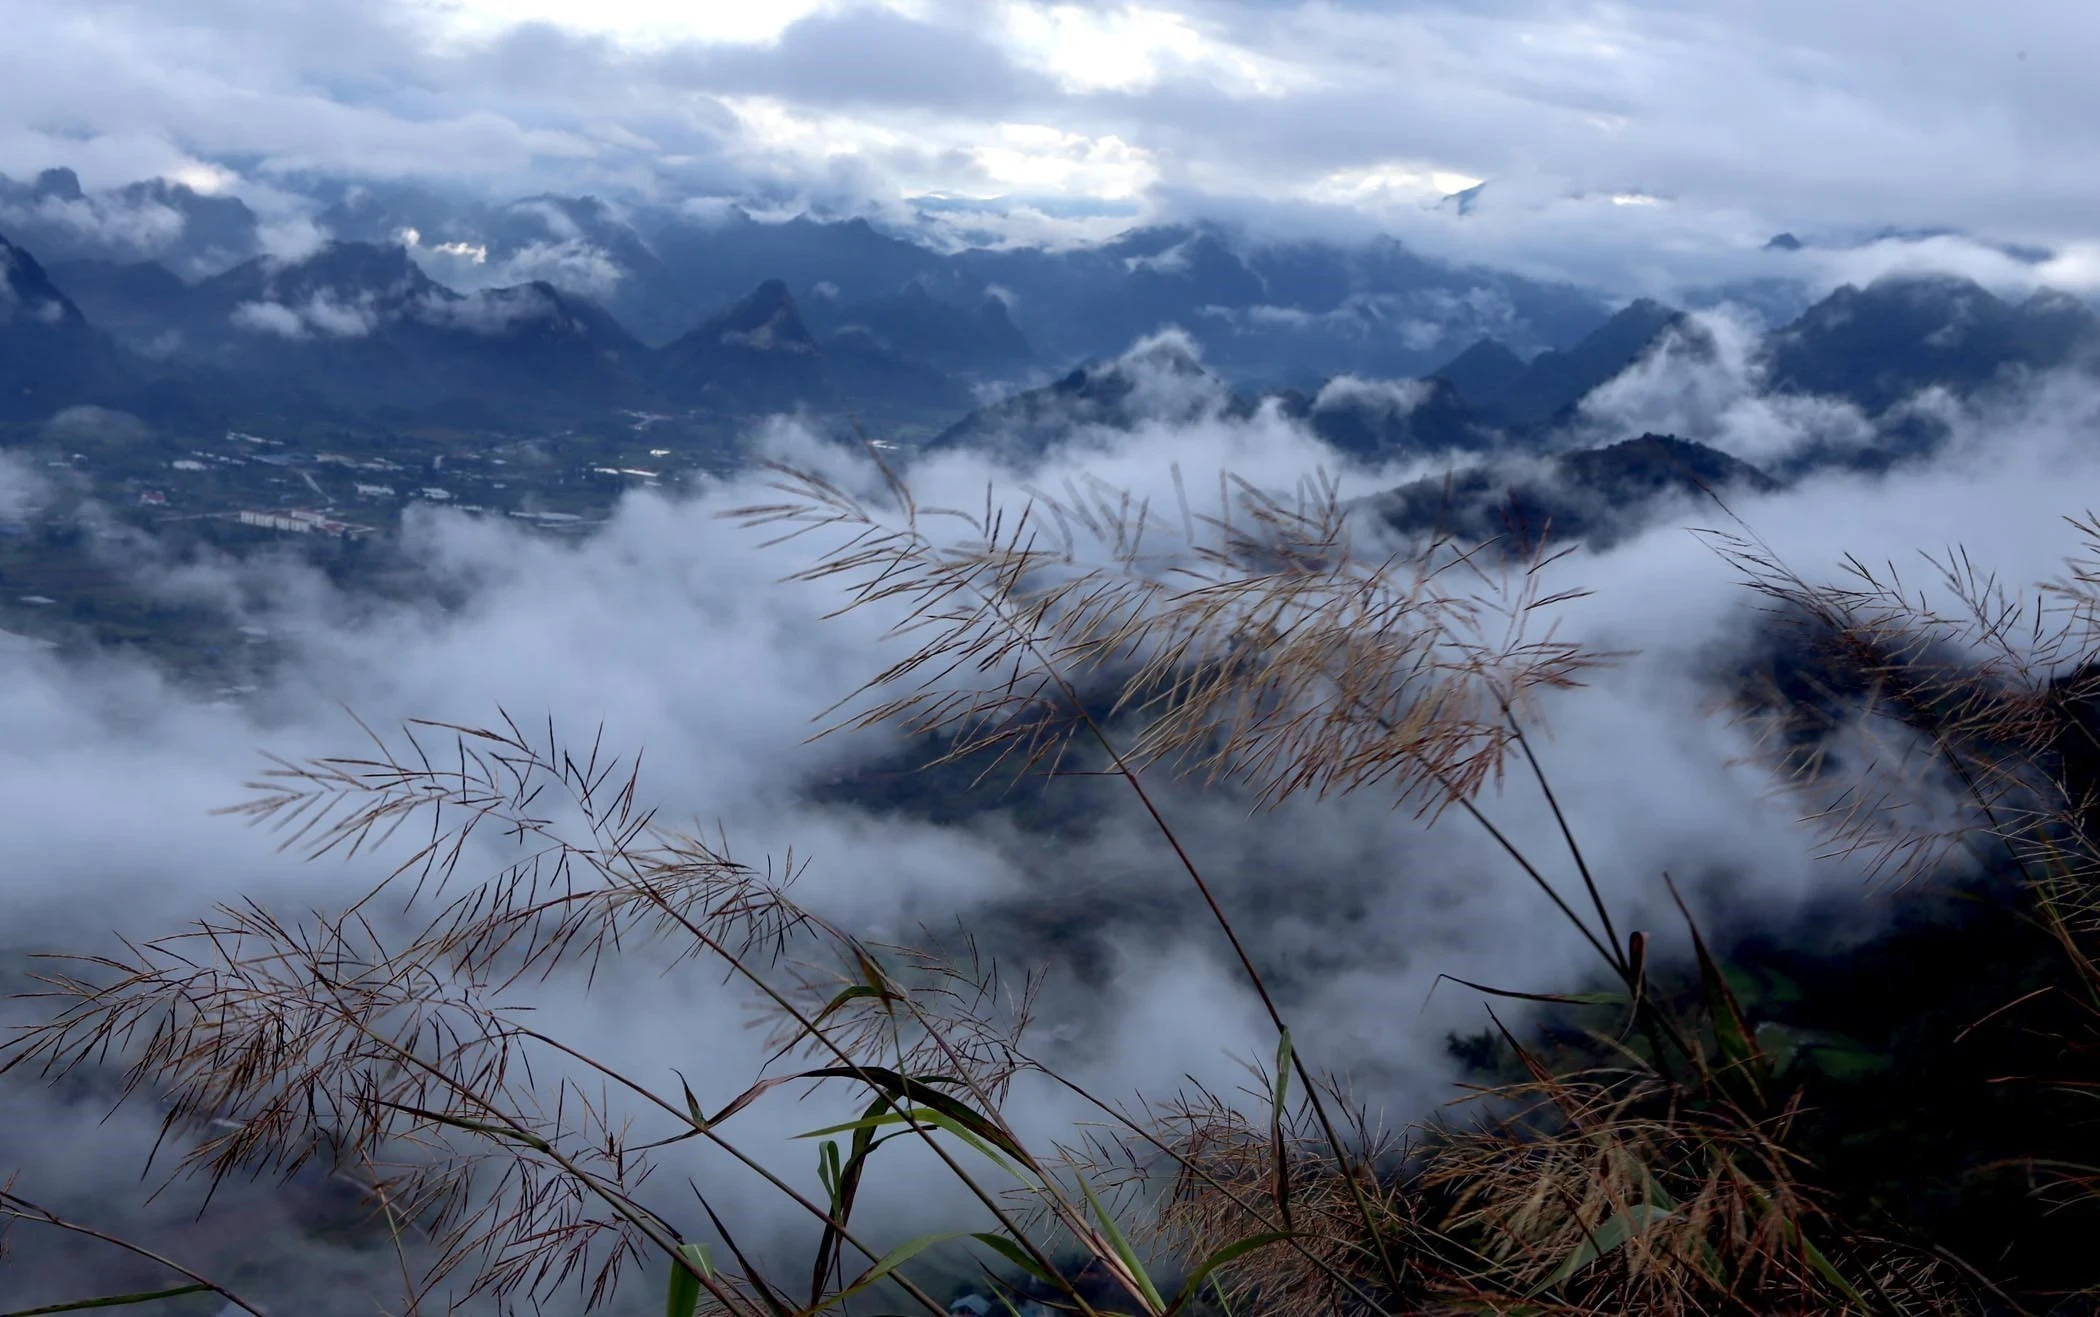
299, 521
275, 521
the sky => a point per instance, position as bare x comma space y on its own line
1712, 125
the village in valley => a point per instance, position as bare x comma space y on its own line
92, 486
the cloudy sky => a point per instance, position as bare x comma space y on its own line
1654, 129
1735, 118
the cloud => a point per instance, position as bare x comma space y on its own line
1704, 381
138, 226
290, 239
863, 57
492, 311
23, 489
535, 240
1399, 396
576, 265
322, 315
1418, 321
270, 318
669, 629
86, 422
668, 626
338, 319
1830, 126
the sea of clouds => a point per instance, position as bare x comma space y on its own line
672, 630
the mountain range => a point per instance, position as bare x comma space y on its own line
1594, 495
713, 311
1504, 389
1287, 313
361, 324
359, 330
1513, 431
49, 355
610, 318
1874, 347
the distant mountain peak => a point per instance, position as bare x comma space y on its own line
1483, 370
1378, 420
61, 183
1160, 378
765, 319
1465, 200
1173, 352
50, 357
1910, 330
372, 261
195, 233
536, 307
27, 294
1596, 495
342, 290
1645, 313
1508, 391
355, 269
955, 329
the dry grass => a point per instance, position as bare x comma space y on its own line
1260, 647
1959, 698
1257, 645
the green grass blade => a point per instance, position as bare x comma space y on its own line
1604, 1239
921, 1094
921, 1116
1279, 1095
1816, 1258
1732, 1032
884, 1265
1551, 998
1014, 1253
864, 1123
828, 1173
1223, 1257
986, 1150
1121, 1244
111, 1301
684, 1296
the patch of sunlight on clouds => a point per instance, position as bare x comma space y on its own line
203, 177
772, 126
1372, 185
2076, 265
955, 157
1039, 159
1132, 47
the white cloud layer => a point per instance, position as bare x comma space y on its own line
1730, 124
668, 628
